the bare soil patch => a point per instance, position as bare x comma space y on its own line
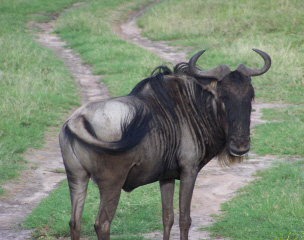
45, 165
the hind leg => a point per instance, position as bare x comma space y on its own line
78, 179
110, 182
109, 198
78, 182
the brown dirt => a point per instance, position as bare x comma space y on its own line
24, 194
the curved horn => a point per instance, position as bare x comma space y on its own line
256, 72
219, 72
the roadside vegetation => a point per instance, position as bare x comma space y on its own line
272, 206
35, 89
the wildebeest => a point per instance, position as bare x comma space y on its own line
169, 127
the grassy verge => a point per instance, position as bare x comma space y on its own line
87, 31
35, 89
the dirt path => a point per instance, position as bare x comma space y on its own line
130, 32
215, 185
25, 193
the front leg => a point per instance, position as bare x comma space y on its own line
167, 194
187, 182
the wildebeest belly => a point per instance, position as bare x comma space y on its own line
148, 173
137, 178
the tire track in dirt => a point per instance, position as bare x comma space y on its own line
24, 193
130, 32
215, 184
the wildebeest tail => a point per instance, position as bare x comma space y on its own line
133, 131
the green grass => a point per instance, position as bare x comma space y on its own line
284, 136
35, 89
138, 212
271, 207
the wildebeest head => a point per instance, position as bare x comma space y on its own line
234, 93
